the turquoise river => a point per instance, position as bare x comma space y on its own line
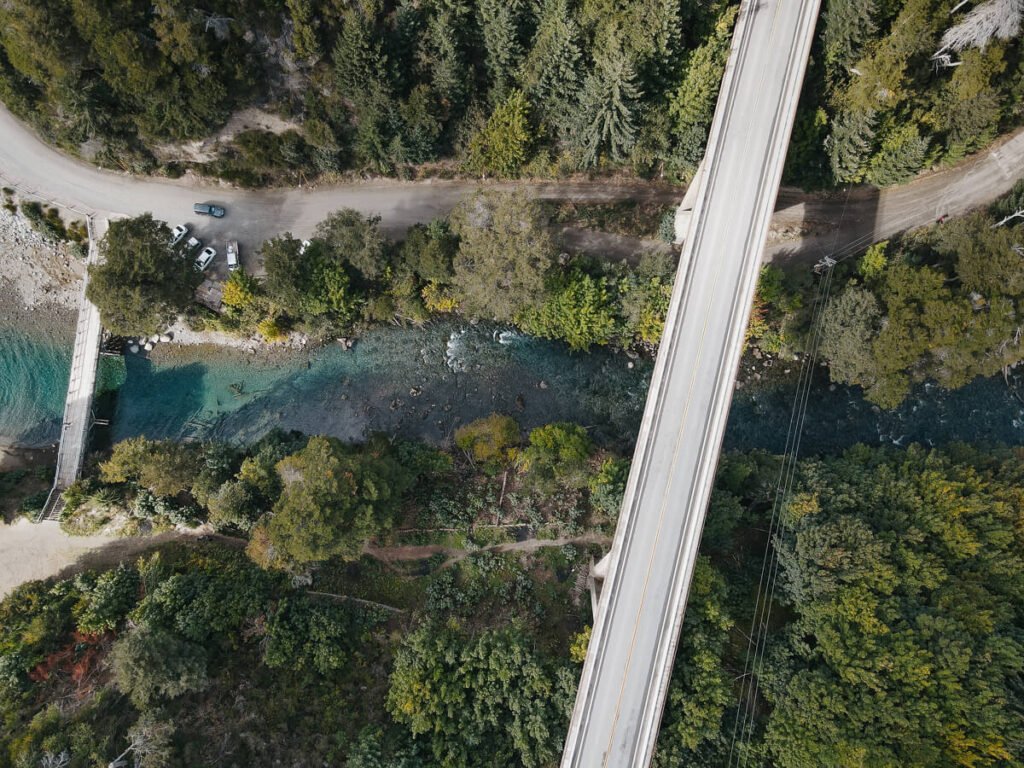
425, 382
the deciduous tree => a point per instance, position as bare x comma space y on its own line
142, 284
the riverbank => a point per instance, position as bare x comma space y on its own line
42, 280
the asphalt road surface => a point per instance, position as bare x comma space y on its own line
629, 663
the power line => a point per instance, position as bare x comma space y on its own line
756, 642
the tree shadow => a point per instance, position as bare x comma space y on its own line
164, 403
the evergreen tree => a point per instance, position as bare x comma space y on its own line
902, 154
444, 52
692, 106
850, 144
970, 104
307, 44
519, 698
334, 499
360, 65
608, 109
500, 22
142, 283
504, 255
846, 26
503, 144
551, 71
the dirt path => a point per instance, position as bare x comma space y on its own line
421, 552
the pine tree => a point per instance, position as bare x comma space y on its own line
847, 26
850, 144
445, 52
500, 22
608, 111
360, 66
902, 154
307, 45
657, 45
551, 72
692, 106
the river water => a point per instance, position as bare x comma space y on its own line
425, 382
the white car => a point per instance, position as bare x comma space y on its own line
304, 246
178, 234
206, 256
193, 244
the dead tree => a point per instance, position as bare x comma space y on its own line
1000, 19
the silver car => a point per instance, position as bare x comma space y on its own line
205, 257
178, 234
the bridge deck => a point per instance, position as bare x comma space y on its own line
81, 385
629, 663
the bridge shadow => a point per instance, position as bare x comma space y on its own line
839, 223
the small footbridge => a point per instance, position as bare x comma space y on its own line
78, 418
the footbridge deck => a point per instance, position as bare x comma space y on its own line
74, 435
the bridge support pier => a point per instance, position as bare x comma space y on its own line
598, 572
684, 213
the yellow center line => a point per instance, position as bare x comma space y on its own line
675, 456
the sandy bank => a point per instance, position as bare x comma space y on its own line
37, 551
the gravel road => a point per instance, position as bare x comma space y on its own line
27, 163
254, 215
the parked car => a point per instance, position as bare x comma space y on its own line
178, 233
193, 244
209, 209
207, 255
232, 254
304, 246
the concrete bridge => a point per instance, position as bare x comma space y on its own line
648, 572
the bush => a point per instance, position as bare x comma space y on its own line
488, 439
667, 227
109, 600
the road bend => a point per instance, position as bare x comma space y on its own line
629, 663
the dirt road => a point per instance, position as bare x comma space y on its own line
834, 222
254, 215
846, 222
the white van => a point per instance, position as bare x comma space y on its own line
232, 253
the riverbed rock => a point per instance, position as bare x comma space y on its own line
542, 384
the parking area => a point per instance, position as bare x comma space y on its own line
197, 234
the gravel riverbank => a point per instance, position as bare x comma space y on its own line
42, 279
